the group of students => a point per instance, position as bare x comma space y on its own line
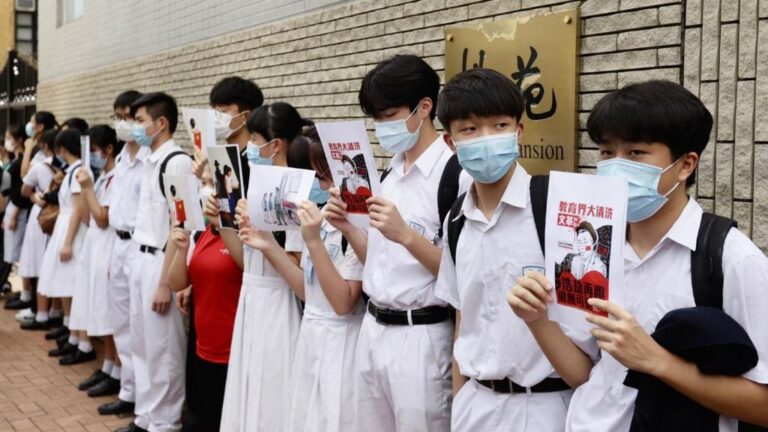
338, 328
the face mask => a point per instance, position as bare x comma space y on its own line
97, 161
317, 195
124, 130
488, 158
29, 130
253, 153
223, 131
643, 179
9, 147
139, 135
394, 136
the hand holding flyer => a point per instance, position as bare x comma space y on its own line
274, 196
585, 231
352, 166
182, 195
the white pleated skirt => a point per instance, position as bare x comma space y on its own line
13, 240
33, 249
57, 278
91, 301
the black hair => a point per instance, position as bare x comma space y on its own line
306, 152
192, 123
68, 139
48, 139
17, 132
402, 80
158, 105
126, 99
586, 226
653, 111
227, 169
173, 190
76, 123
277, 120
480, 93
47, 119
235, 90
103, 136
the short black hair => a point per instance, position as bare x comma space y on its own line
48, 139
306, 152
158, 104
277, 120
47, 119
653, 111
76, 123
103, 136
68, 139
235, 90
402, 80
480, 93
126, 99
17, 132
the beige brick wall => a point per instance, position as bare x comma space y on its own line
316, 62
7, 28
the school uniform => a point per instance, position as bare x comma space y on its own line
14, 239
661, 282
57, 278
123, 203
158, 341
404, 372
495, 348
39, 177
263, 346
323, 373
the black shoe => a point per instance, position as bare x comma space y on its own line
95, 378
119, 406
131, 428
56, 332
56, 322
17, 304
65, 350
35, 325
60, 342
108, 387
78, 357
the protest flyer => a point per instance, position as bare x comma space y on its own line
350, 159
201, 126
274, 195
224, 163
184, 202
585, 228
85, 152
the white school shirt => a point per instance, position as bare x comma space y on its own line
393, 277
69, 187
346, 263
40, 175
659, 283
153, 216
103, 188
493, 342
126, 187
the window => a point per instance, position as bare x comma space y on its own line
26, 40
68, 11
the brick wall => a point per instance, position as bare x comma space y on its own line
7, 38
316, 62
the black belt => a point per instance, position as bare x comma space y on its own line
427, 315
123, 235
148, 249
549, 385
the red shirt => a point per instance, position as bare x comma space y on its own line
216, 281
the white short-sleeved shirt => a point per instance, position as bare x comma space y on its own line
153, 220
491, 254
126, 188
40, 175
346, 263
69, 186
103, 189
660, 283
393, 277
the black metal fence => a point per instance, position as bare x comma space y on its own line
18, 89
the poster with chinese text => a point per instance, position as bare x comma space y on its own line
181, 191
274, 195
201, 126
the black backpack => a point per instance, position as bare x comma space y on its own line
164, 165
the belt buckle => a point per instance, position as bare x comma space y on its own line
376, 308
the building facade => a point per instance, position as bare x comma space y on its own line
313, 53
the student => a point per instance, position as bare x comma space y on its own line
322, 382
652, 134
501, 379
268, 315
123, 204
16, 213
157, 330
412, 389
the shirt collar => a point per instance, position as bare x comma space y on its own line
162, 151
515, 195
685, 230
426, 161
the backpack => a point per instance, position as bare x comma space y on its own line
164, 165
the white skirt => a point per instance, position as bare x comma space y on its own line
99, 258
322, 388
263, 347
13, 240
57, 278
33, 249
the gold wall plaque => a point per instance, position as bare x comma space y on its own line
540, 54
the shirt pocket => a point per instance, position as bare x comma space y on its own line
663, 302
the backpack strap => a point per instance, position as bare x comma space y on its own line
455, 225
72, 174
164, 165
448, 190
539, 188
384, 174
707, 260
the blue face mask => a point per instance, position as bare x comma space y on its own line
253, 153
97, 161
29, 130
394, 136
643, 180
488, 158
317, 195
140, 136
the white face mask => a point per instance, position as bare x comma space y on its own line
9, 147
124, 130
223, 120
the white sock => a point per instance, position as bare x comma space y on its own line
55, 313
107, 366
115, 373
74, 340
66, 320
85, 346
41, 316
26, 296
